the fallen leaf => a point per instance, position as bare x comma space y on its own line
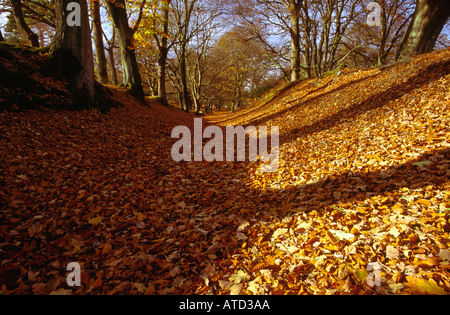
423, 286
424, 202
226, 285
61, 291
392, 252
342, 235
422, 164
96, 220
279, 232
175, 271
107, 249
239, 277
444, 254
236, 289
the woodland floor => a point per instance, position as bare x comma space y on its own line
364, 177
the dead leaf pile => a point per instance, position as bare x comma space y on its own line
363, 178
366, 176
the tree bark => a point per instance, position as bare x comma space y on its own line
185, 99
163, 51
131, 75
100, 56
381, 56
20, 20
71, 53
112, 62
162, 94
308, 46
294, 11
428, 20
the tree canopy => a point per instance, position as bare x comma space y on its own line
174, 49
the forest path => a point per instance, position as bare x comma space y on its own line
363, 180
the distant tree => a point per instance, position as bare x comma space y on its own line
71, 52
206, 26
100, 56
395, 16
183, 14
112, 62
375, 45
154, 43
131, 74
20, 21
428, 20
241, 67
163, 47
313, 28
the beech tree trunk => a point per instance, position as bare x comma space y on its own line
185, 99
100, 57
131, 75
294, 10
71, 53
162, 94
112, 64
20, 20
162, 61
428, 20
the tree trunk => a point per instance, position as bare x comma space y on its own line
308, 45
100, 57
428, 20
294, 11
163, 51
197, 93
1, 37
71, 53
185, 99
237, 92
20, 20
112, 64
381, 58
162, 94
131, 75
197, 105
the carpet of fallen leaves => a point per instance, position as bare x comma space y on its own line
363, 178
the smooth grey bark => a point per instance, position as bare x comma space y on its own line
100, 57
428, 20
131, 74
162, 60
294, 10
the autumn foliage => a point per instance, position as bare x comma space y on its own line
363, 178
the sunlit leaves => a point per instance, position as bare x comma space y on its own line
363, 179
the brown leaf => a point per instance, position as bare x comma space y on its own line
107, 249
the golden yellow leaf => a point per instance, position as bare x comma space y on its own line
424, 202
96, 220
423, 286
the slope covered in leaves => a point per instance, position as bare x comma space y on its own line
363, 178
365, 167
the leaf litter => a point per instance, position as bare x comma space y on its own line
363, 178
